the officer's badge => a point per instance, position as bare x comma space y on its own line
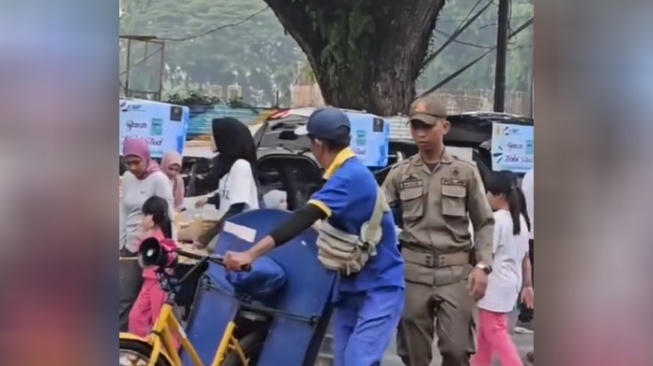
410, 182
455, 172
420, 107
407, 184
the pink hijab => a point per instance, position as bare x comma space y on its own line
138, 147
171, 158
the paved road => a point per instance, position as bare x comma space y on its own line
524, 344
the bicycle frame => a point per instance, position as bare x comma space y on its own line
168, 332
163, 341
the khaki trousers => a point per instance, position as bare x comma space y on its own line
444, 308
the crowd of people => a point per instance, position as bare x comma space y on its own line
432, 268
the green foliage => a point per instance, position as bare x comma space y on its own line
195, 97
346, 27
256, 54
260, 57
192, 97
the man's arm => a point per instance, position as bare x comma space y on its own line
332, 199
390, 187
482, 219
300, 220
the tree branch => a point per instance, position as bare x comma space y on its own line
459, 31
472, 63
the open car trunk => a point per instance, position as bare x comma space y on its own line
298, 175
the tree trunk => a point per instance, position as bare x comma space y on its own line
366, 54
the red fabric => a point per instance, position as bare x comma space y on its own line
493, 339
147, 307
151, 298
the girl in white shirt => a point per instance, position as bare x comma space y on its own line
510, 273
233, 172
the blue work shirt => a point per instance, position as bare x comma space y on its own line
348, 198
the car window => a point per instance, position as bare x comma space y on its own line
268, 135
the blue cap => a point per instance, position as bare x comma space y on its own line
325, 123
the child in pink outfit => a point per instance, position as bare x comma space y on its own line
510, 273
156, 224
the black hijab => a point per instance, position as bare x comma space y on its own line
234, 141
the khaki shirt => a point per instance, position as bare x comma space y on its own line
437, 206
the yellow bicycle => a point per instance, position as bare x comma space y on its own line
160, 348
276, 315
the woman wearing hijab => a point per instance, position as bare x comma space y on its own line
233, 170
142, 180
171, 164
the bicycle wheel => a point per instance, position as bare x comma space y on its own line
252, 345
133, 353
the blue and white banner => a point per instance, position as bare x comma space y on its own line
370, 138
164, 126
512, 147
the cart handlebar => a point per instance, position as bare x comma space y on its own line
213, 258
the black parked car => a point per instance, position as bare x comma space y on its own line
471, 131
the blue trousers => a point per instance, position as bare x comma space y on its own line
364, 324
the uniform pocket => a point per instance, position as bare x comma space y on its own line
453, 201
412, 202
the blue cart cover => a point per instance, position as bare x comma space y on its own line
306, 296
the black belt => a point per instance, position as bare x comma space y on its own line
434, 260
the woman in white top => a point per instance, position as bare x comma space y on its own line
233, 172
142, 180
510, 273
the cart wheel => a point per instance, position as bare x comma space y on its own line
134, 353
252, 345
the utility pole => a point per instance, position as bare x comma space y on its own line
532, 94
502, 53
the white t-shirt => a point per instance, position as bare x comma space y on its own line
238, 186
134, 193
504, 283
527, 188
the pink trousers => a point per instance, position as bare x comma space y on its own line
493, 339
146, 308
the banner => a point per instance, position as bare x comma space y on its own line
370, 138
164, 126
512, 147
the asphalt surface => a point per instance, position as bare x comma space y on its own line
524, 343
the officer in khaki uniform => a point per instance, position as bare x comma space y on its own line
436, 195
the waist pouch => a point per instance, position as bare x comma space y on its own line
348, 253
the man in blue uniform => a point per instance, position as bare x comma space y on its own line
370, 302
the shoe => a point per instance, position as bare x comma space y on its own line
524, 328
